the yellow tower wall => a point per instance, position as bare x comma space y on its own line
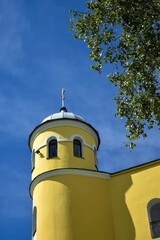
73, 207
76, 202
69, 203
131, 191
65, 157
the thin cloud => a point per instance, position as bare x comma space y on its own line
14, 196
16, 116
13, 24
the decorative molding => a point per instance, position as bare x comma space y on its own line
94, 147
42, 145
77, 136
47, 141
33, 158
65, 140
50, 137
82, 141
66, 171
64, 122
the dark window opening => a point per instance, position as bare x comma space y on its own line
155, 220
53, 148
95, 158
33, 159
155, 228
77, 148
34, 221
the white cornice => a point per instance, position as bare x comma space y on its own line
63, 122
66, 171
54, 136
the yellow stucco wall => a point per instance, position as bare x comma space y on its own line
76, 207
65, 157
131, 191
73, 207
94, 208
63, 132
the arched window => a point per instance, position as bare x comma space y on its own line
34, 223
33, 159
77, 148
52, 148
154, 217
95, 158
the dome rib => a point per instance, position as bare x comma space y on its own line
61, 115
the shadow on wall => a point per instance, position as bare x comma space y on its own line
122, 220
87, 207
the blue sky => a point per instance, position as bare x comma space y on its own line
38, 58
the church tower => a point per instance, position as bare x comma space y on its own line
65, 180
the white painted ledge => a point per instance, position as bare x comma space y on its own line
66, 171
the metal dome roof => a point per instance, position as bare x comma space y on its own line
63, 114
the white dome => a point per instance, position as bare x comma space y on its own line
61, 115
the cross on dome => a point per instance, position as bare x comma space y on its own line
63, 112
63, 91
63, 108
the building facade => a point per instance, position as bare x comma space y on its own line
72, 200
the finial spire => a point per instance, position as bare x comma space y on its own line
63, 108
63, 91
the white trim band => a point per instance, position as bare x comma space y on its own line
54, 136
66, 171
63, 122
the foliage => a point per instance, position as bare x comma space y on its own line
126, 33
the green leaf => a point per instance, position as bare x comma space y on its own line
125, 33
